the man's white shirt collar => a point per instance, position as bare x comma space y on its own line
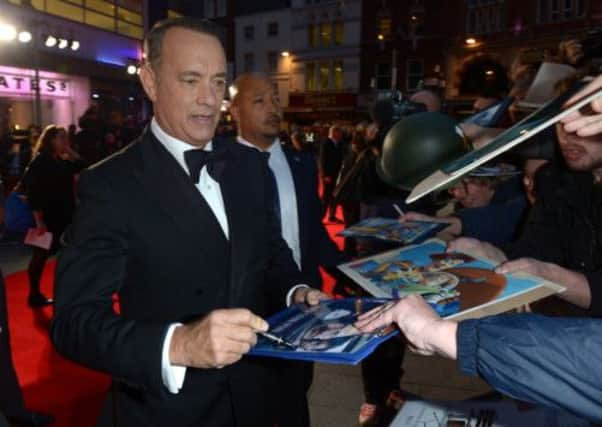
275, 148
176, 147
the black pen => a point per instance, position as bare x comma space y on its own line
277, 339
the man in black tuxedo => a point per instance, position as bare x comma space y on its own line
332, 152
257, 113
182, 229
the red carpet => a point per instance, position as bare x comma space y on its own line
51, 383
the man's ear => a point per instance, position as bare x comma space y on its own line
148, 78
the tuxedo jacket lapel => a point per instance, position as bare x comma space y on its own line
237, 199
168, 184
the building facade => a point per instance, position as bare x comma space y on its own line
263, 44
493, 32
325, 59
78, 53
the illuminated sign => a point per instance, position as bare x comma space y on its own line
23, 84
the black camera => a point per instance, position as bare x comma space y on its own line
592, 44
404, 107
392, 106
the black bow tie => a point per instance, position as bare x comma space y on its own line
197, 158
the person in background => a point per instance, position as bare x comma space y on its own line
49, 187
351, 182
257, 112
544, 360
561, 240
89, 140
491, 208
332, 151
431, 100
299, 142
71, 132
15, 155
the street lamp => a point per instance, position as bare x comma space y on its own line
50, 41
7, 32
24, 36
285, 54
471, 41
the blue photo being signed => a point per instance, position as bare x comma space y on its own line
323, 333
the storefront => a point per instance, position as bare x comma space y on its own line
63, 97
311, 108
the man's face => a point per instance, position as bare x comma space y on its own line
187, 86
256, 110
472, 193
580, 154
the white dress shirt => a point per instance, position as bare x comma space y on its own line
289, 216
173, 376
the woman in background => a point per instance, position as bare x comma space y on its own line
49, 187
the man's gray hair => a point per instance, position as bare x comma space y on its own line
153, 42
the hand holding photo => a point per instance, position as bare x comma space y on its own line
322, 333
392, 230
453, 283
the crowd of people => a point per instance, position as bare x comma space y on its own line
202, 237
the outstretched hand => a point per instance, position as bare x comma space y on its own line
425, 331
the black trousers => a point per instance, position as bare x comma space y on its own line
351, 215
328, 201
11, 397
35, 270
381, 371
294, 381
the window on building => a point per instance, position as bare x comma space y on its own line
64, 10
384, 29
339, 33
99, 20
122, 16
105, 7
272, 29
339, 81
325, 33
484, 16
273, 61
249, 32
324, 76
310, 76
313, 35
129, 16
222, 8
414, 73
383, 75
215, 8
559, 10
249, 62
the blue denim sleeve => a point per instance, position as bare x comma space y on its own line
549, 361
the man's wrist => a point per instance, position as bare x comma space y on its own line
177, 347
442, 338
